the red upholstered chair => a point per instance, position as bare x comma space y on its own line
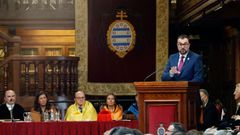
157, 114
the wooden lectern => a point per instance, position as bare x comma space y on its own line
166, 102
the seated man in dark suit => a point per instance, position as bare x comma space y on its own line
11, 110
133, 109
210, 115
237, 99
234, 121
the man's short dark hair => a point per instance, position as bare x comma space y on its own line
182, 36
178, 127
124, 130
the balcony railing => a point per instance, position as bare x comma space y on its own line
28, 75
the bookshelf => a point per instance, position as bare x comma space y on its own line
71, 52
53, 52
48, 50
29, 51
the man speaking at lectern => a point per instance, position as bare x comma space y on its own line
184, 65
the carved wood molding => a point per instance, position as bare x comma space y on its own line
195, 9
7, 38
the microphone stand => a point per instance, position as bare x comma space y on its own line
151, 75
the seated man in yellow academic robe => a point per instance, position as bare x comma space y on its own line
81, 110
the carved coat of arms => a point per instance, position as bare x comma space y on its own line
121, 36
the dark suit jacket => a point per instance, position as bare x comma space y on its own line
17, 112
210, 116
192, 69
237, 110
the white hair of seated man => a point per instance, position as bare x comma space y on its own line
210, 131
223, 132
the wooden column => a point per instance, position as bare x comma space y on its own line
237, 60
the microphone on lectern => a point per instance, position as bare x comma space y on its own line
151, 74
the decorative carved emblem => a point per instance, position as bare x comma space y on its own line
121, 36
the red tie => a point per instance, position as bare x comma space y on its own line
201, 116
181, 63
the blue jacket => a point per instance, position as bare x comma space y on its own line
192, 69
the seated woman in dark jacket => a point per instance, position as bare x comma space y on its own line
41, 105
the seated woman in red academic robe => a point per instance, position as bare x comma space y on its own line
111, 106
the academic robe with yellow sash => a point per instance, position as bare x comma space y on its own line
86, 113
